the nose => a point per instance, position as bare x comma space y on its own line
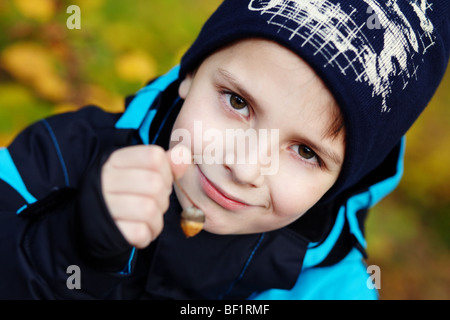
246, 157
245, 174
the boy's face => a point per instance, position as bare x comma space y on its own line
241, 90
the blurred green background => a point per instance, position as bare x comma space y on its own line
46, 68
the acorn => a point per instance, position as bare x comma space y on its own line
192, 221
192, 218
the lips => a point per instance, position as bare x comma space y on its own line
219, 196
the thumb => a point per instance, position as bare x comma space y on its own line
179, 158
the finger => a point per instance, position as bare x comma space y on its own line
141, 156
137, 208
136, 181
135, 233
180, 158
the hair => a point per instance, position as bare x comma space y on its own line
337, 127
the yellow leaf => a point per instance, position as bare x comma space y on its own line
42, 10
25, 61
136, 66
32, 65
52, 88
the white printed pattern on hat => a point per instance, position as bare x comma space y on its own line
334, 34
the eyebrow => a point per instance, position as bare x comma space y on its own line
322, 152
244, 93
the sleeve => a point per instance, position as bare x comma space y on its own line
52, 215
347, 280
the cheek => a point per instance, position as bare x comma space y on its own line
198, 117
183, 128
289, 204
293, 196
180, 135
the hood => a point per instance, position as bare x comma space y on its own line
382, 61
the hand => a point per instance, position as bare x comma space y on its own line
136, 185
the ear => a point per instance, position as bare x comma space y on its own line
185, 86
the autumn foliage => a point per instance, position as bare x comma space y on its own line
47, 68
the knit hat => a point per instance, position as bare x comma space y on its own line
381, 59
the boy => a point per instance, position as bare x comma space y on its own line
94, 190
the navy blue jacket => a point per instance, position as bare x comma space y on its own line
53, 216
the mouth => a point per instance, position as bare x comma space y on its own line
219, 196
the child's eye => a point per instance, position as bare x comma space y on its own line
237, 103
307, 154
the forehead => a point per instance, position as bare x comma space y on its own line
267, 62
270, 73
268, 57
